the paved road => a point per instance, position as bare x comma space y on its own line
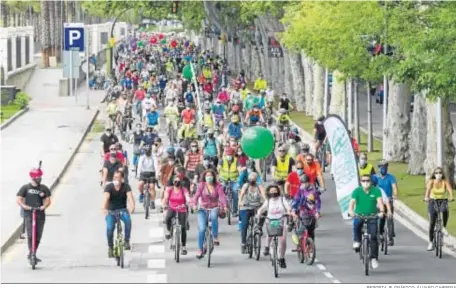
50, 131
74, 245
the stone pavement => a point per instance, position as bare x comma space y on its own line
50, 132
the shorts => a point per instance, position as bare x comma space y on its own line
148, 177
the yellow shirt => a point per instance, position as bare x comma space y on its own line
283, 118
111, 109
438, 193
260, 84
208, 121
244, 94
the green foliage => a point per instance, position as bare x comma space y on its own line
23, 6
21, 100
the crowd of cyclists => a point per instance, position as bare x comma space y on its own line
203, 169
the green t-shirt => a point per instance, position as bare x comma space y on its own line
366, 203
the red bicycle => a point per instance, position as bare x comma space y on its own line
306, 246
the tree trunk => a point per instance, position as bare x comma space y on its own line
58, 28
398, 127
299, 86
448, 144
319, 90
288, 88
4, 8
52, 26
338, 105
417, 137
45, 33
308, 82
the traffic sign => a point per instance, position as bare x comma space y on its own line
274, 48
74, 37
112, 41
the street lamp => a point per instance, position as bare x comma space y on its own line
111, 54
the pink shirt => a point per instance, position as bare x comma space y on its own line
177, 199
207, 200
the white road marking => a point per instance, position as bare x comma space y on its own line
156, 232
157, 278
329, 275
335, 281
157, 249
156, 263
321, 267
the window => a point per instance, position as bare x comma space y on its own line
104, 38
122, 31
9, 54
18, 52
27, 50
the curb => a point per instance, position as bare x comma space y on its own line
411, 217
18, 230
14, 118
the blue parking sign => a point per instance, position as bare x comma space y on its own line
74, 37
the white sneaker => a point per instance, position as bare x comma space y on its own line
374, 263
356, 245
430, 246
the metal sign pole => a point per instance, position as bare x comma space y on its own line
88, 66
71, 72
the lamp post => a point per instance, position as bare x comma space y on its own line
385, 85
111, 50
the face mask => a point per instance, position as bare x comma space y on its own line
229, 158
362, 162
176, 183
291, 141
274, 195
209, 179
438, 176
116, 183
149, 153
365, 185
148, 133
383, 170
188, 108
319, 122
183, 149
249, 170
211, 135
309, 162
37, 181
108, 134
171, 163
194, 149
252, 182
239, 153
206, 163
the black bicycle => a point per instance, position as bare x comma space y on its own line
208, 244
275, 230
321, 156
119, 243
176, 232
365, 251
438, 233
253, 241
147, 203
229, 199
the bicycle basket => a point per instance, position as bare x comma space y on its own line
307, 221
275, 228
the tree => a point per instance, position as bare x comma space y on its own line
45, 32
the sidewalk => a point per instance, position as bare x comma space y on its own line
51, 131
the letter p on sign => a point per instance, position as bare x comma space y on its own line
74, 37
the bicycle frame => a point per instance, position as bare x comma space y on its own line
119, 243
364, 252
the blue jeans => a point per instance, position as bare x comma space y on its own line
372, 226
202, 214
135, 159
110, 225
234, 192
244, 216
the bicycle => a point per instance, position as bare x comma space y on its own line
438, 233
119, 243
208, 244
147, 201
229, 198
33, 259
253, 241
275, 230
321, 156
176, 236
171, 133
306, 247
365, 251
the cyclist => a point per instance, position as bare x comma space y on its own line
110, 167
193, 157
437, 189
293, 143
285, 103
223, 96
172, 115
34, 195
319, 133
208, 121
148, 170
364, 167
388, 183
158, 149
364, 202
305, 149
253, 116
250, 101
275, 207
148, 104
251, 197
260, 83
218, 111
313, 170
229, 171
242, 158
152, 118
136, 137
293, 183
189, 97
211, 147
187, 131
209, 195
188, 115
111, 110
175, 200
107, 139
139, 97
282, 121
116, 196
282, 165
148, 138
234, 129
354, 143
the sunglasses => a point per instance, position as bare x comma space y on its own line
365, 159
113, 149
194, 146
281, 151
365, 181
438, 173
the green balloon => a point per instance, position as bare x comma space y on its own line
187, 72
257, 142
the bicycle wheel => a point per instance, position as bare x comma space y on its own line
275, 260
210, 245
250, 241
33, 261
366, 255
121, 254
439, 244
323, 159
177, 244
228, 214
257, 245
146, 203
385, 242
309, 251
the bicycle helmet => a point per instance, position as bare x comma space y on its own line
147, 148
321, 118
310, 199
295, 130
36, 173
382, 163
305, 147
171, 151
